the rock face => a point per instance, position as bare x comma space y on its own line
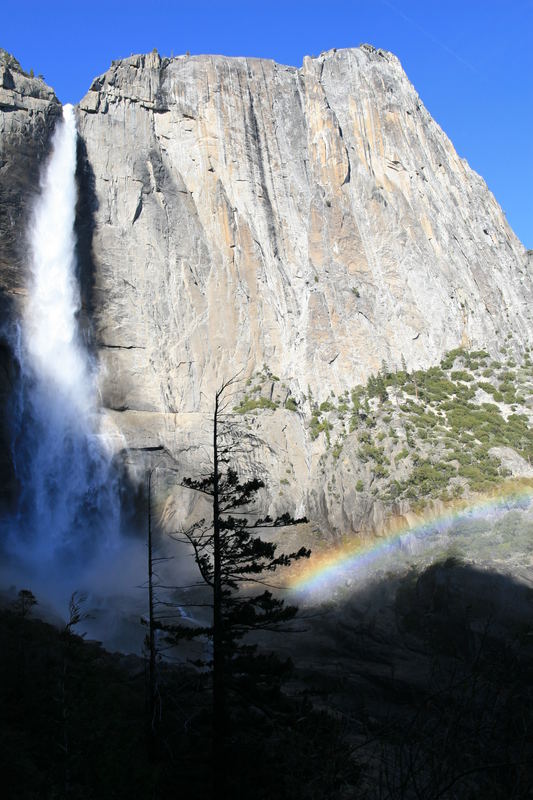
316, 221
236, 214
28, 111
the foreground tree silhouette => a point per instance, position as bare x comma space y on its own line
231, 556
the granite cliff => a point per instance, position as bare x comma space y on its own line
309, 227
316, 220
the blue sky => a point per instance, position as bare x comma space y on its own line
470, 61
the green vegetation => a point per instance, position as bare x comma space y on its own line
461, 375
318, 426
425, 434
337, 449
370, 451
248, 404
291, 404
439, 420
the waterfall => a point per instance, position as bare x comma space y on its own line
50, 325
68, 508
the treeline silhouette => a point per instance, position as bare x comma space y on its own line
430, 696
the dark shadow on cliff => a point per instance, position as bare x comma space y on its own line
132, 499
9, 393
84, 226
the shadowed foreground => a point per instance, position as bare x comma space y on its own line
417, 687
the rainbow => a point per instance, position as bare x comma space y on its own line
329, 567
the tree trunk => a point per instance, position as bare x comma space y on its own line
152, 678
219, 688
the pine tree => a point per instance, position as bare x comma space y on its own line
230, 555
26, 601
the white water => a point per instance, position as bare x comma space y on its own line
50, 325
69, 501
